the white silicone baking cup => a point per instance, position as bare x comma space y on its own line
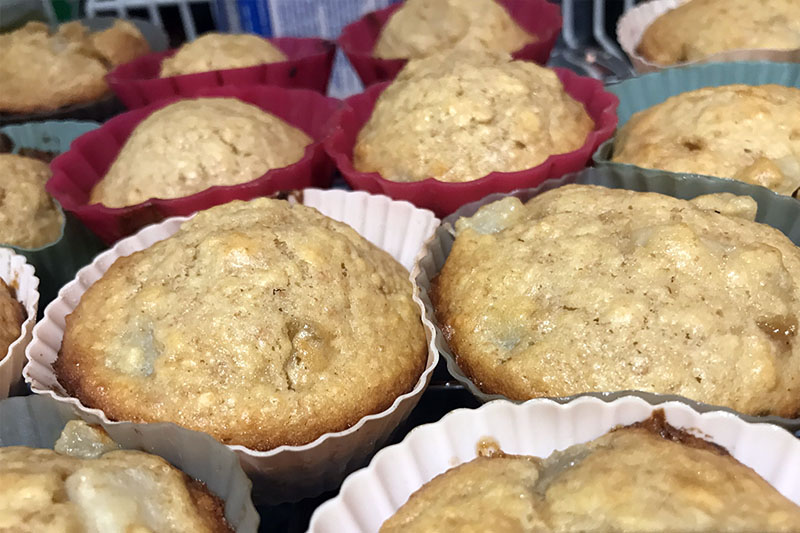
19, 275
286, 473
37, 422
781, 212
633, 23
538, 427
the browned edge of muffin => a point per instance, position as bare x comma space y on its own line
21, 314
657, 424
455, 349
210, 507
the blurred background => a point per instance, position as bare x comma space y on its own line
587, 45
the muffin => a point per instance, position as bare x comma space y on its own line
221, 51
700, 28
191, 145
459, 116
88, 484
12, 315
588, 289
263, 323
742, 132
28, 216
648, 476
43, 70
421, 28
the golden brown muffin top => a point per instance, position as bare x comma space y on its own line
42, 70
261, 323
421, 28
12, 315
107, 489
28, 216
629, 480
748, 133
700, 28
191, 145
221, 51
591, 289
459, 116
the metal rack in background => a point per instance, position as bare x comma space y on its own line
588, 43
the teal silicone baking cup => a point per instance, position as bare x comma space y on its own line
57, 262
778, 211
643, 92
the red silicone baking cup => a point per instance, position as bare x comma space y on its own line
358, 39
309, 67
442, 197
76, 171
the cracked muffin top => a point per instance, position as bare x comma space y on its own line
262, 323
221, 51
191, 145
28, 216
42, 69
700, 28
459, 116
588, 289
743, 132
88, 484
648, 476
421, 28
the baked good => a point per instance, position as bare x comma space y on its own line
648, 476
700, 28
12, 315
28, 216
588, 289
459, 116
424, 27
42, 70
748, 133
221, 51
191, 145
121, 43
262, 323
87, 484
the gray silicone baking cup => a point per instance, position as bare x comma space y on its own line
57, 262
781, 212
643, 92
37, 421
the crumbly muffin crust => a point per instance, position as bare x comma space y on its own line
191, 145
221, 51
261, 323
41, 70
12, 315
28, 216
587, 289
743, 132
629, 480
42, 491
700, 28
459, 116
421, 28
